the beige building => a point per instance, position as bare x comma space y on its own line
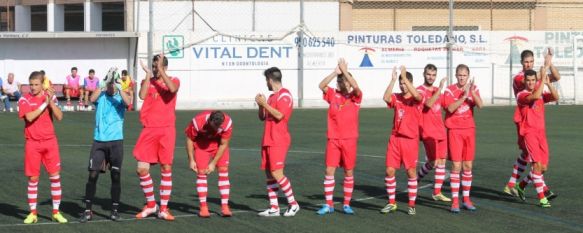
399, 15
355, 15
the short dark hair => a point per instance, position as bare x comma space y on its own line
124, 72
216, 118
530, 73
73, 68
341, 77
429, 67
462, 66
164, 62
42, 72
36, 75
525, 54
273, 73
92, 71
409, 76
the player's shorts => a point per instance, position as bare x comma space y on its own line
341, 153
41, 151
204, 157
90, 90
106, 155
402, 150
537, 147
435, 148
156, 145
462, 144
74, 92
520, 139
273, 157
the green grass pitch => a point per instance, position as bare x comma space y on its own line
496, 151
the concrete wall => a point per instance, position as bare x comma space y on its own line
57, 56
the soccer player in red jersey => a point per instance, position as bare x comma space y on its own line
433, 131
207, 146
38, 109
403, 147
527, 61
157, 139
342, 133
532, 128
276, 112
459, 101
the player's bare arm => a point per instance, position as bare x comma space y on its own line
127, 99
324, 83
343, 66
261, 101
538, 92
475, 97
409, 86
223, 145
190, 154
31, 116
554, 76
436, 95
146, 82
162, 74
95, 95
261, 113
55, 110
552, 89
389, 91
453, 107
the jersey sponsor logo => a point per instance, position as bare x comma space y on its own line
462, 109
400, 115
436, 108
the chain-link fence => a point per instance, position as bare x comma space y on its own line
232, 37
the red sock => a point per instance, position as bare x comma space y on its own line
56, 192
32, 195
165, 189
425, 169
329, 184
454, 181
348, 188
466, 185
224, 187
286, 188
272, 189
517, 169
202, 188
391, 186
412, 188
526, 180
538, 184
439, 178
148, 188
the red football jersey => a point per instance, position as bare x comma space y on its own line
342, 114
276, 132
406, 117
198, 131
533, 113
42, 127
463, 117
431, 118
518, 85
159, 105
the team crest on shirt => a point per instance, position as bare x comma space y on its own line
400, 114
